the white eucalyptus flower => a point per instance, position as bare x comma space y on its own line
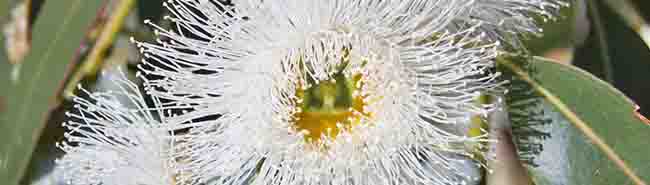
323, 91
115, 138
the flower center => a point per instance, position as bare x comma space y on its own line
330, 106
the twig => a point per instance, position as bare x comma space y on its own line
632, 17
95, 59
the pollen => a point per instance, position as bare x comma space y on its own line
329, 107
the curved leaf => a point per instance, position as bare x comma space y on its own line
56, 35
605, 142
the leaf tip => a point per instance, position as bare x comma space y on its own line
640, 116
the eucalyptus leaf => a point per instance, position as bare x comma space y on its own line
598, 125
4, 61
57, 33
4, 78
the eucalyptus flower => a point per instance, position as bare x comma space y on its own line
322, 92
114, 137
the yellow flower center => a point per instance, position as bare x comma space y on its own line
330, 106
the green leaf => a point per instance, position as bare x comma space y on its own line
5, 66
4, 76
599, 138
57, 33
4, 12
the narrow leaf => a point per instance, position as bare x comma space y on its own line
56, 35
